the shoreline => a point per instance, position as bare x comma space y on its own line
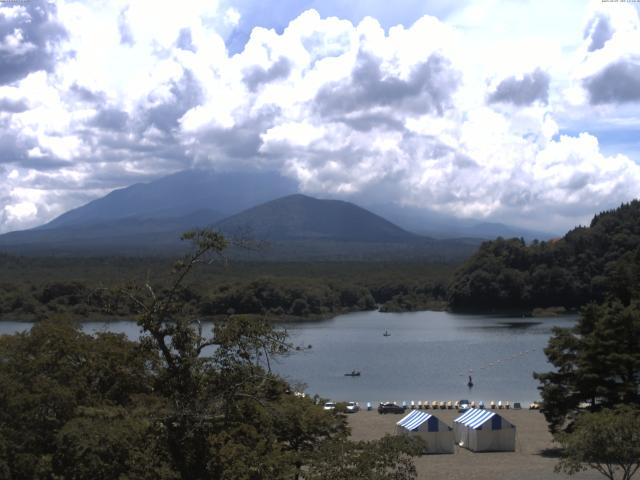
290, 319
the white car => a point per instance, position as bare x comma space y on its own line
329, 406
352, 407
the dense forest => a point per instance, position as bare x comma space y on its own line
32, 288
587, 264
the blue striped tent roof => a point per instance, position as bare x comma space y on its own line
414, 420
475, 417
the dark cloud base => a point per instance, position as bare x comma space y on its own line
617, 83
530, 88
40, 36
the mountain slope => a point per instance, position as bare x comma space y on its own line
437, 225
228, 193
131, 235
180, 194
296, 227
298, 217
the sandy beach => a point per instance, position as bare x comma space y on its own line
533, 459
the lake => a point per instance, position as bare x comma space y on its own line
427, 355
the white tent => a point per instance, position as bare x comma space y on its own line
484, 431
437, 435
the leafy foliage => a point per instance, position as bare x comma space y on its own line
587, 264
597, 363
49, 374
386, 459
607, 441
180, 404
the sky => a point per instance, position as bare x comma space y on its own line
525, 112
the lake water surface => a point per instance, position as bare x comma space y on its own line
427, 356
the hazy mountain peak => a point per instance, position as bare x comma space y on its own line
180, 194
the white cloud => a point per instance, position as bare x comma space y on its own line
460, 116
232, 16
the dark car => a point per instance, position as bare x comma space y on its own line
388, 407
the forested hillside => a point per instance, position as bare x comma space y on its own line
587, 264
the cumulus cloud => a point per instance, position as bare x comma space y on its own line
257, 75
29, 36
126, 36
610, 70
406, 114
618, 82
428, 88
525, 90
13, 106
598, 30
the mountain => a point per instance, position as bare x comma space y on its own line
130, 235
180, 194
294, 227
228, 193
299, 217
427, 222
148, 219
495, 229
299, 227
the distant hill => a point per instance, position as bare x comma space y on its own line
181, 194
299, 227
424, 221
587, 264
295, 227
148, 218
228, 193
299, 217
128, 236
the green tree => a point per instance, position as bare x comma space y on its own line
112, 443
588, 264
228, 415
306, 426
389, 458
607, 441
48, 374
597, 363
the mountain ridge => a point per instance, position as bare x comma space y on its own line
179, 194
299, 216
146, 218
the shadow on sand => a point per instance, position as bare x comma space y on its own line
553, 452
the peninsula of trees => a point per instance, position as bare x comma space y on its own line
588, 264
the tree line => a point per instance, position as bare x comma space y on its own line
273, 291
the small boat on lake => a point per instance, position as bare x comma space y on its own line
353, 373
386, 334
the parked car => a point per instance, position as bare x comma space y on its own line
329, 406
388, 407
352, 407
463, 405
